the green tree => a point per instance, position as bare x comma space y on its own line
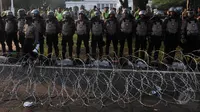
164, 4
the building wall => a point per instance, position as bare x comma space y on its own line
89, 4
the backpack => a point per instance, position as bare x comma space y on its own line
9, 28
172, 26
157, 29
50, 27
126, 26
81, 28
141, 29
192, 28
111, 27
97, 28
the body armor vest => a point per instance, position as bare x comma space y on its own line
126, 26
67, 29
192, 28
21, 24
157, 29
9, 28
81, 28
172, 26
37, 26
50, 27
97, 28
30, 31
141, 29
111, 27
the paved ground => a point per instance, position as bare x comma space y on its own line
134, 107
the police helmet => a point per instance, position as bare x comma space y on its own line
9, 13
158, 13
21, 12
82, 12
28, 18
66, 14
112, 12
190, 13
35, 12
142, 12
50, 13
82, 7
97, 13
172, 9
125, 10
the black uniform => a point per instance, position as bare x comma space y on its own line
2, 33
21, 23
68, 30
126, 27
191, 31
97, 27
172, 26
52, 30
82, 30
112, 28
141, 36
31, 39
156, 36
38, 22
11, 33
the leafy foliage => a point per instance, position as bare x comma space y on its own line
165, 4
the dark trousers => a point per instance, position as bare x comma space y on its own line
41, 42
123, 38
114, 40
97, 41
191, 44
2, 41
85, 39
140, 44
21, 38
171, 42
28, 48
52, 41
154, 44
12, 37
67, 40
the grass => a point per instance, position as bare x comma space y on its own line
83, 49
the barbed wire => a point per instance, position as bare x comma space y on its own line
102, 82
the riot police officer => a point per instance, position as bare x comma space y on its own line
111, 28
190, 33
82, 30
68, 30
11, 31
52, 30
2, 33
156, 35
21, 13
97, 27
141, 34
126, 28
172, 26
31, 38
39, 24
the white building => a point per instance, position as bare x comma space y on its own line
89, 4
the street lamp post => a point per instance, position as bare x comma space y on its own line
12, 7
1, 6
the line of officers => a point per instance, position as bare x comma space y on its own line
32, 30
